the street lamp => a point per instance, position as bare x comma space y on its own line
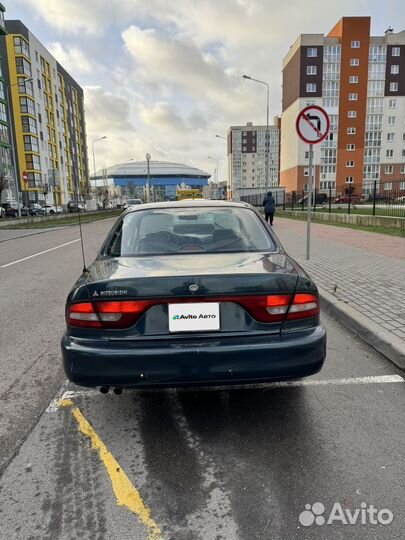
216, 170
125, 170
148, 156
267, 124
17, 192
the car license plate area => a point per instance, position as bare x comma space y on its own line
198, 317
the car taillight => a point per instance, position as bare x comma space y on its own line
125, 313
114, 314
277, 307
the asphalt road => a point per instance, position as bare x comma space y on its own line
186, 465
32, 297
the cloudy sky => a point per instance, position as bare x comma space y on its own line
164, 77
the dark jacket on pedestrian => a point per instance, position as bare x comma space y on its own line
269, 203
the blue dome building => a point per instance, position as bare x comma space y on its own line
165, 178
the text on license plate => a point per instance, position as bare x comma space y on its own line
196, 317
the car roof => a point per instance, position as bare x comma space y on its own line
187, 204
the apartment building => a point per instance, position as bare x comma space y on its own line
247, 158
360, 80
6, 171
47, 119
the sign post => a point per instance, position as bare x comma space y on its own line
312, 127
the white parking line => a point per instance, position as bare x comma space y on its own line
376, 379
39, 253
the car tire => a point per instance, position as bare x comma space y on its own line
51, 212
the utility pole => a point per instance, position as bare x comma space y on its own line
148, 156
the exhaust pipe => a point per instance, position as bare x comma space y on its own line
118, 391
104, 389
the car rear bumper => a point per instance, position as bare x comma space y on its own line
228, 360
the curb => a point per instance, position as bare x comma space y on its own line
380, 339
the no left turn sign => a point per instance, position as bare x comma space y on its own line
313, 124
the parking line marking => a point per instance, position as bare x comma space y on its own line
374, 379
39, 253
125, 492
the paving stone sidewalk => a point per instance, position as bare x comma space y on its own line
365, 270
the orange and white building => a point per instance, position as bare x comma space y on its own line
360, 81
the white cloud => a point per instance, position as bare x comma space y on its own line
179, 81
72, 58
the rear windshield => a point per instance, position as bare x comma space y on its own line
169, 231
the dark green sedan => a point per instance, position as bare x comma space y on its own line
192, 293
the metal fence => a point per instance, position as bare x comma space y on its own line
378, 198
255, 196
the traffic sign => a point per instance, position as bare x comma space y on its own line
25, 177
313, 124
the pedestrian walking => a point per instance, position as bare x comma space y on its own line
269, 207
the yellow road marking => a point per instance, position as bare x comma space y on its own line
126, 494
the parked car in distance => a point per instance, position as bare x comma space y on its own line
36, 210
347, 198
75, 206
11, 209
195, 293
51, 209
131, 202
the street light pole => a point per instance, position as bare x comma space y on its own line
216, 170
267, 125
8, 95
94, 155
148, 156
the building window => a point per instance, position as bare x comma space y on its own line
350, 147
311, 87
391, 137
351, 130
355, 45
394, 69
393, 87
3, 114
27, 105
306, 172
350, 163
392, 104
306, 155
387, 186
311, 70
402, 171
389, 169
31, 143
390, 153
396, 51
349, 180
21, 46
353, 97
391, 120
312, 52
22, 66
402, 185
353, 79
29, 125
354, 62
403, 153
352, 114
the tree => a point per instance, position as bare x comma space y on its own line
4, 183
